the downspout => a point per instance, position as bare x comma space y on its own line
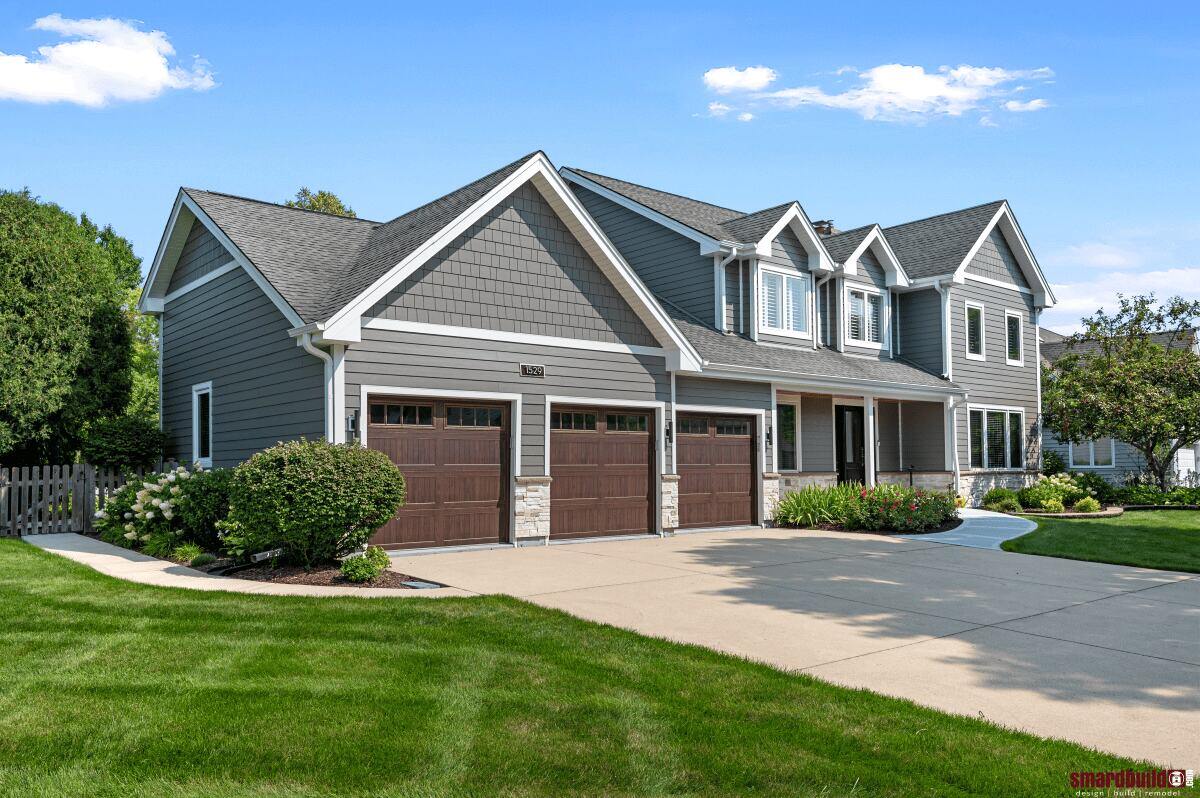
724, 289
943, 289
307, 344
817, 309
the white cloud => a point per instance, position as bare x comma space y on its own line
726, 80
1028, 105
900, 92
718, 109
1076, 300
745, 116
106, 60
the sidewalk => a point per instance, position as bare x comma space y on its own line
135, 567
980, 529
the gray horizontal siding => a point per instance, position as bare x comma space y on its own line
668, 263
1126, 460
922, 436
995, 260
725, 393
737, 297
518, 269
816, 433
919, 315
887, 422
201, 254
265, 388
418, 361
992, 381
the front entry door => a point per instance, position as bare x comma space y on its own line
851, 459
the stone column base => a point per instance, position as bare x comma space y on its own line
531, 510
670, 503
771, 486
975, 484
800, 480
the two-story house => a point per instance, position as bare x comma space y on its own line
553, 354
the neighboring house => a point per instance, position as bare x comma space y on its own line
1112, 459
557, 354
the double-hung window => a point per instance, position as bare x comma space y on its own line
1093, 454
1013, 349
202, 424
783, 299
864, 316
976, 343
997, 438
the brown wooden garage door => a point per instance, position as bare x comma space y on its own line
602, 472
716, 469
454, 456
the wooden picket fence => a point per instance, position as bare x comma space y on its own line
38, 500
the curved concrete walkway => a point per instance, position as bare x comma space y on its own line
135, 567
980, 529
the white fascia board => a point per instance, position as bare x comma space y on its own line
1043, 295
893, 270
708, 244
802, 227
345, 326
152, 289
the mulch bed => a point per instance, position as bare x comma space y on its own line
329, 575
946, 527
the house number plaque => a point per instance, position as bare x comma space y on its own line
532, 370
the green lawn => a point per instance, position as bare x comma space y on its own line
1165, 539
114, 689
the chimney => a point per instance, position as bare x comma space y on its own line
824, 227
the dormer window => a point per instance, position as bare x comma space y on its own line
864, 317
783, 300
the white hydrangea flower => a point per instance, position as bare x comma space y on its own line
149, 514
148, 485
157, 502
129, 527
101, 514
137, 507
131, 535
170, 477
128, 516
175, 491
167, 514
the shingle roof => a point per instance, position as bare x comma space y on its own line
1052, 351
937, 245
702, 217
735, 352
319, 262
300, 252
842, 245
750, 229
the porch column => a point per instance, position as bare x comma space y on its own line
869, 439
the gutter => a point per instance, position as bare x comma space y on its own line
305, 342
943, 289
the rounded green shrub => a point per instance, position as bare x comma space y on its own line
202, 503
1053, 506
124, 442
1095, 486
318, 501
1087, 505
999, 494
186, 552
1005, 506
361, 569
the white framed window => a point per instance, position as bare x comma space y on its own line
864, 317
997, 437
1100, 453
783, 303
1014, 344
787, 427
202, 424
976, 338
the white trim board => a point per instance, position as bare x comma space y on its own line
1009, 313
514, 399
201, 281
1043, 295
154, 291
708, 244
345, 325
894, 274
795, 218
969, 305
481, 334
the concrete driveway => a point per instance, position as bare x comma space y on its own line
1104, 655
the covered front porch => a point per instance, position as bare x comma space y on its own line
827, 438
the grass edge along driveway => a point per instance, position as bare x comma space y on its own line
1168, 540
114, 689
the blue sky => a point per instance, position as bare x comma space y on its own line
853, 113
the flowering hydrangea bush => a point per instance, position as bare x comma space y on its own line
1065, 488
151, 513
